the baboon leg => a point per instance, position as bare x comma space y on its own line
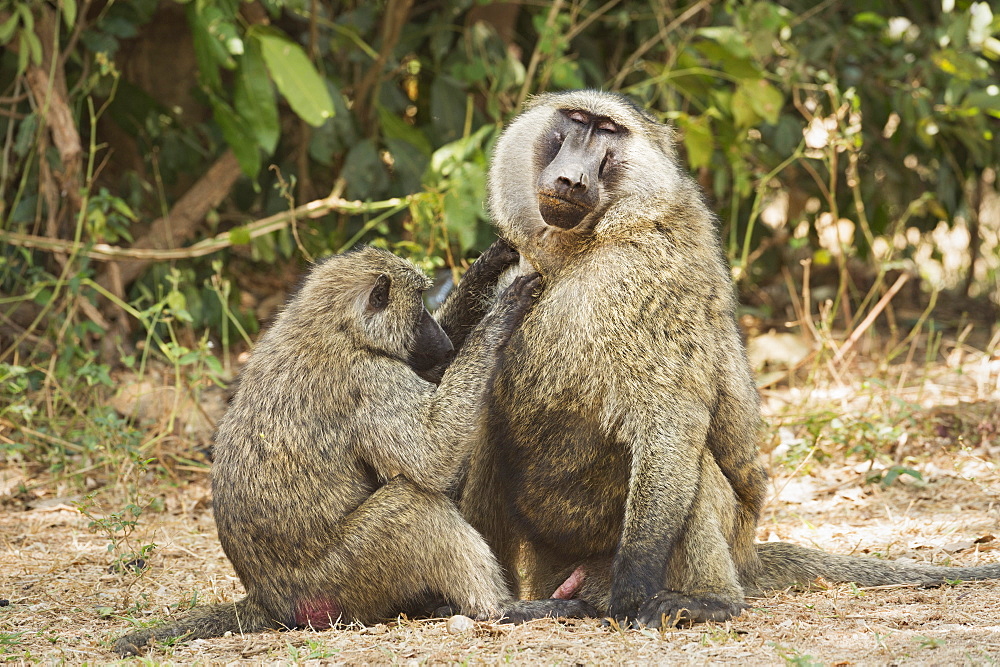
701, 580
421, 546
596, 587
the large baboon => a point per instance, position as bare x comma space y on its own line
621, 430
335, 458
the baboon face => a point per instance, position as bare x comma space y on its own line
376, 298
571, 156
428, 345
579, 152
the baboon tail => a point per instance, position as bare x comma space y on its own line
783, 564
201, 622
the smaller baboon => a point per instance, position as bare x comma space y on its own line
335, 458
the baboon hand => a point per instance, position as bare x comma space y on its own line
494, 261
515, 301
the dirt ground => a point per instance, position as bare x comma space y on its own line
64, 605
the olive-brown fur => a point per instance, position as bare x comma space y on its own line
335, 461
622, 427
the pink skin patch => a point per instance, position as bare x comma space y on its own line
568, 588
318, 613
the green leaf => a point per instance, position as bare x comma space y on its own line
452, 155
728, 38
364, 171
463, 203
27, 18
254, 98
744, 115
69, 12
218, 30
238, 135
123, 208
7, 28
566, 74
394, 127
25, 138
963, 65
22, 52
336, 134
698, 140
295, 77
204, 52
408, 163
872, 19
447, 108
35, 45
764, 99
176, 301
984, 101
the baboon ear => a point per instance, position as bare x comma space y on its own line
379, 297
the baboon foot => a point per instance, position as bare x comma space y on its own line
528, 610
670, 608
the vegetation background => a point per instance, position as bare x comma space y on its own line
168, 168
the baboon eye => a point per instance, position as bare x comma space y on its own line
378, 299
607, 126
578, 117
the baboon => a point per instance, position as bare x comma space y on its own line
335, 458
619, 451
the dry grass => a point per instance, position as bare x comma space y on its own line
941, 421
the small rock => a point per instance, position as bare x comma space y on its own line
458, 624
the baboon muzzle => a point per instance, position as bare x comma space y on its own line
567, 187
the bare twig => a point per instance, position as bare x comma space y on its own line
658, 37
255, 229
867, 322
47, 84
536, 55
396, 14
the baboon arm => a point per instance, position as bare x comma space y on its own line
665, 475
471, 299
434, 426
416, 447
732, 440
